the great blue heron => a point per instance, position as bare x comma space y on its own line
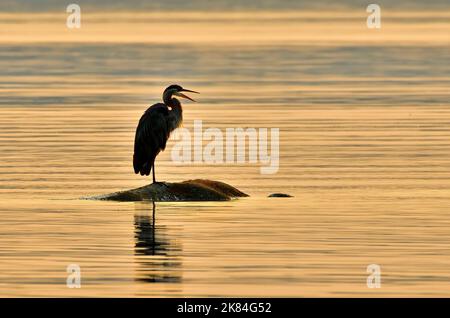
154, 129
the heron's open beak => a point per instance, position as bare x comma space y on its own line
184, 96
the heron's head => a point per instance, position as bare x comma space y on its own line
177, 90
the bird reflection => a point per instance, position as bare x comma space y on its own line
158, 256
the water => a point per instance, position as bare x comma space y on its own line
364, 131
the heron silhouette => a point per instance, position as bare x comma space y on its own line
154, 129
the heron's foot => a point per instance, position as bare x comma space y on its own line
160, 183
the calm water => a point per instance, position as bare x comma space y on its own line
365, 150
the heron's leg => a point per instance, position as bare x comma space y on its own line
153, 168
154, 179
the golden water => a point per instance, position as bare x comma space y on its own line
364, 119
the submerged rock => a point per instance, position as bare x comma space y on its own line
280, 195
191, 190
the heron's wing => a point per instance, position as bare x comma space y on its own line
153, 128
151, 137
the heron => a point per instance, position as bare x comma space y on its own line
155, 127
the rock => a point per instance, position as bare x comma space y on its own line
280, 195
191, 190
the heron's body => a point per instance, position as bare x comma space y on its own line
154, 130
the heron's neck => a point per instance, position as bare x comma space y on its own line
167, 98
173, 103
176, 113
